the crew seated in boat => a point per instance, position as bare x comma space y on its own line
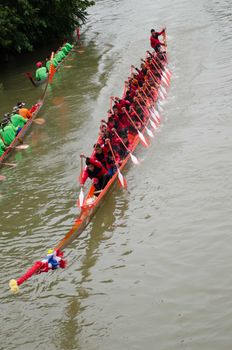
68, 46
110, 163
114, 140
123, 121
65, 50
100, 153
122, 151
113, 122
141, 73
24, 112
59, 56
95, 171
2, 147
120, 103
17, 120
41, 72
7, 131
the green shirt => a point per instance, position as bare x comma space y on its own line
55, 62
58, 57
18, 121
48, 63
62, 54
41, 73
68, 46
8, 134
65, 50
2, 147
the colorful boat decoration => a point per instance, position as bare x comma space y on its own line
149, 99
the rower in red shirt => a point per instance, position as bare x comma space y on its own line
154, 40
95, 171
120, 103
100, 153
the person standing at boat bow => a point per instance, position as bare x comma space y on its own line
154, 40
41, 72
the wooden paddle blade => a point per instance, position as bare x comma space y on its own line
156, 114
149, 132
164, 91
165, 81
13, 165
156, 117
22, 147
168, 71
153, 124
161, 95
81, 198
143, 140
39, 121
122, 179
134, 159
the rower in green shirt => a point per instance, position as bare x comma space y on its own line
55, 62
59, 56
62, 54
7, 133
65, 50
2, 147
41, 72
17, 120
68, 46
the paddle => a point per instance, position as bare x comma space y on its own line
167, 70
81, 195
164, 78
156, 80
39, 121
121, 178
133, 158
21, 147
149, 132
141, 136
13, 165
155, 115
154, 126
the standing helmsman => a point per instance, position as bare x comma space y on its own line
154, 40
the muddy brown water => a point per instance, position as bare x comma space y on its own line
153, 269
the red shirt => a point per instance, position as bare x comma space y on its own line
124, 121
154, 41
122, 103
99, 173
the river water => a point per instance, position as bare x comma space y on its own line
153, 269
